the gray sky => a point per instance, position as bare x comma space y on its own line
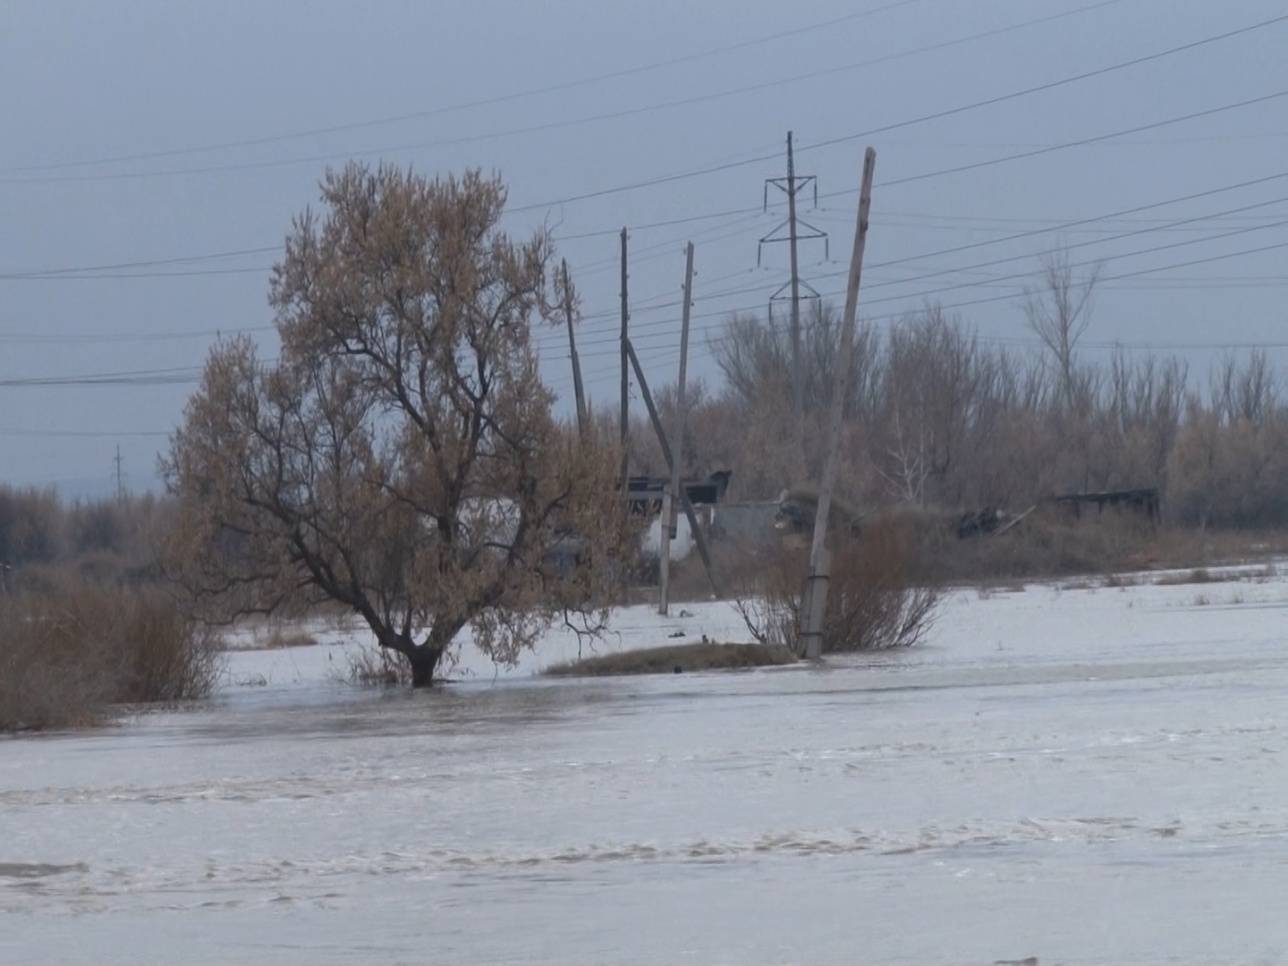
179, 89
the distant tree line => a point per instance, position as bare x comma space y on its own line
112, 538
938, 417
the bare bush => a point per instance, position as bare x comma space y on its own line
369, 666
159, 652
875, 601
69, 653
676, 659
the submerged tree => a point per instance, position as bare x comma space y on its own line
400, 457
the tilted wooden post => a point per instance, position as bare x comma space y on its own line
815, 602
669, 497
572, 351
624, 426
698, 537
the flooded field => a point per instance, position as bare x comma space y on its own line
1082, 775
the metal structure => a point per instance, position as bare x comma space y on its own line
791, 186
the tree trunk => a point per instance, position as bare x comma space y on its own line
423, 659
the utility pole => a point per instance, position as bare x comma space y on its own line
798, 398
815, 603
790, 186
572, 351
626, 381
120, 479
667, 455
672, 491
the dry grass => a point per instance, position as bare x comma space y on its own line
368, 665
1121, 581
1199, 575
71, 652
677, 658
1043, 545
1048, 545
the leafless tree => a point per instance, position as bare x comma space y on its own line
1249, 394
400, 457
1059, 312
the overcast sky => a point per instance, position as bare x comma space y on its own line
154, 130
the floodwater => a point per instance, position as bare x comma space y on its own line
1084, 776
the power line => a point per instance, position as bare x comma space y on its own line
271, 249
936, 115
190, 373
540, 340
1140, 251
645, 306
1047, 149
126, 337
70, 277
82, 433
149, 263
174, 375
1153, 125
725, 313
469, 105
1051, 85
560, 123
1081, 142
1082, 221
1099, 241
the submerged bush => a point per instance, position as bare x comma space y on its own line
70, 650
369, 665
677, 658
876, 598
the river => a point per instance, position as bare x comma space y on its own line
1081, 775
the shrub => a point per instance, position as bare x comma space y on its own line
1199, 575
41, 684
369, 665
673, 659
876, 599
69, 651
1045, 544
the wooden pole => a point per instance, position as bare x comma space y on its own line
626, 381
816, 587
572, 351
685, 505
669, 497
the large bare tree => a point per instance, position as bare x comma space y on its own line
400, 456
1059, 312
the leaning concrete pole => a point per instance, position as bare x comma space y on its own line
670, 497
815, 602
